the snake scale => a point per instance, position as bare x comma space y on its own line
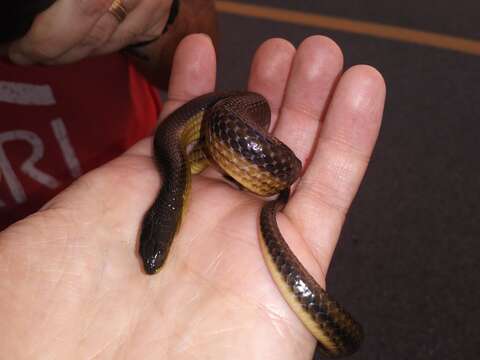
230, 130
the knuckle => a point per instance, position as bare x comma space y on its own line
342, 145
45, 52
150, 28
42, 47
98, 36
93, 7
154, 32
301, 110
159, 11
326, 195
132, 33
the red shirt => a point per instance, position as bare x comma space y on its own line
58, 122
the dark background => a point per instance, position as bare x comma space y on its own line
408, 260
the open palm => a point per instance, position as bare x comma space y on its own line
72, 284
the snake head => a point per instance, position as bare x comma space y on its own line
153, 263
156, 237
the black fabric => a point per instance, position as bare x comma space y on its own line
17, 16
173, 14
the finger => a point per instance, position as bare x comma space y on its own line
193, 71
98, 36
57, 30
316, 67
346, 141
193, 74
100, 39
269, 72
144, 23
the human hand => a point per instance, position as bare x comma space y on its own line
72, 284
70, 30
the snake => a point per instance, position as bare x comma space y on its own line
230, 131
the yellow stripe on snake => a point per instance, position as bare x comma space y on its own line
230, 129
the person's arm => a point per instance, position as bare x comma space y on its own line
70, 30
155, 59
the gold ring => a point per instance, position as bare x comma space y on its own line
118, 10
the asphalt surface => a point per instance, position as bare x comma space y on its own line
408, 261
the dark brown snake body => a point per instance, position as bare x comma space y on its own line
230, 130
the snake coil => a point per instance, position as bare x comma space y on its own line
230, 129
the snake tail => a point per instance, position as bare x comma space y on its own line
338, 334
230, 130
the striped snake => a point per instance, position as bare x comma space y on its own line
230, 130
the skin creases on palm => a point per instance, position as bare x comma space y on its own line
92, 294
71, 281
